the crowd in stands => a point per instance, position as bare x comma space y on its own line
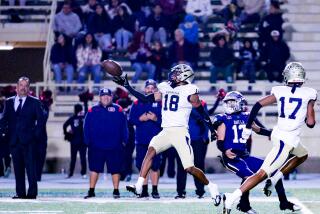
157, 34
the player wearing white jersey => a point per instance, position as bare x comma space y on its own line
178, 97
295, 107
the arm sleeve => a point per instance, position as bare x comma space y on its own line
140, 96
253, 114
214, 107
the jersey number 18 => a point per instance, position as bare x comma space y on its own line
173, 102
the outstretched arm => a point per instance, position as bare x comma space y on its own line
123, 81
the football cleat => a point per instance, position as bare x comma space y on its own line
289, 206
216, 200
246, 209
267, 190
226, 203
132, 188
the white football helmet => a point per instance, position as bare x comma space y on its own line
180, 73
294, 73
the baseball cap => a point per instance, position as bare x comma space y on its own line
275, 33
150, 82
105, 91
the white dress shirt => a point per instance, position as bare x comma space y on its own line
16, 102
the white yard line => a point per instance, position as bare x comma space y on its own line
33, 211
295, 200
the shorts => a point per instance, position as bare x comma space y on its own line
279, 154
112, 158
177, 137
244, 166
141, 151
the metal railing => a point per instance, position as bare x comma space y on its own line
49, 43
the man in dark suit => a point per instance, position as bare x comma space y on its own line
24, 117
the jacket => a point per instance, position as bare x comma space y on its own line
145, 130
105, 127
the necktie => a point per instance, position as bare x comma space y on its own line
19, 107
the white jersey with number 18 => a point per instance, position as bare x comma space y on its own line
176, 107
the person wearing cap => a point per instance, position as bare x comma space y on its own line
274, 56
75, 137
147, 119
106, 134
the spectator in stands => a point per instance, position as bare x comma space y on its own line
222, 60
190, 28
66, 22
99, 25
147, 119
274, 56
62, 58
75, 137
202, 9
251, 11
156, 26
230, 13
88, 56
106, 134
113, 6
141, 56
88, 10
272, 21
174, 11
159, 59
123, 26
181, 51
248, 56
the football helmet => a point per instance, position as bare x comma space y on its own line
181, 73
234, 102
294, 73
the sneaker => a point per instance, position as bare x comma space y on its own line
180, 196
144, 195
132, 188
116, 194
84, 176
90, 195
289, 206
267, 189
155, 195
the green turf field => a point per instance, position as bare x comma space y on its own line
70, 201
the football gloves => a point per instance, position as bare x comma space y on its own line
123, 81
246, 133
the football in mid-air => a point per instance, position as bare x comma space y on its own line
112, 67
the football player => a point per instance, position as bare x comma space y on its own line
235, 154
295, 107
178, 96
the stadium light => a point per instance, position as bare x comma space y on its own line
6, 47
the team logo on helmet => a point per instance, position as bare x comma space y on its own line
234, 102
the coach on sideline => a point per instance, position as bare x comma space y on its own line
24, 117
105, 133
